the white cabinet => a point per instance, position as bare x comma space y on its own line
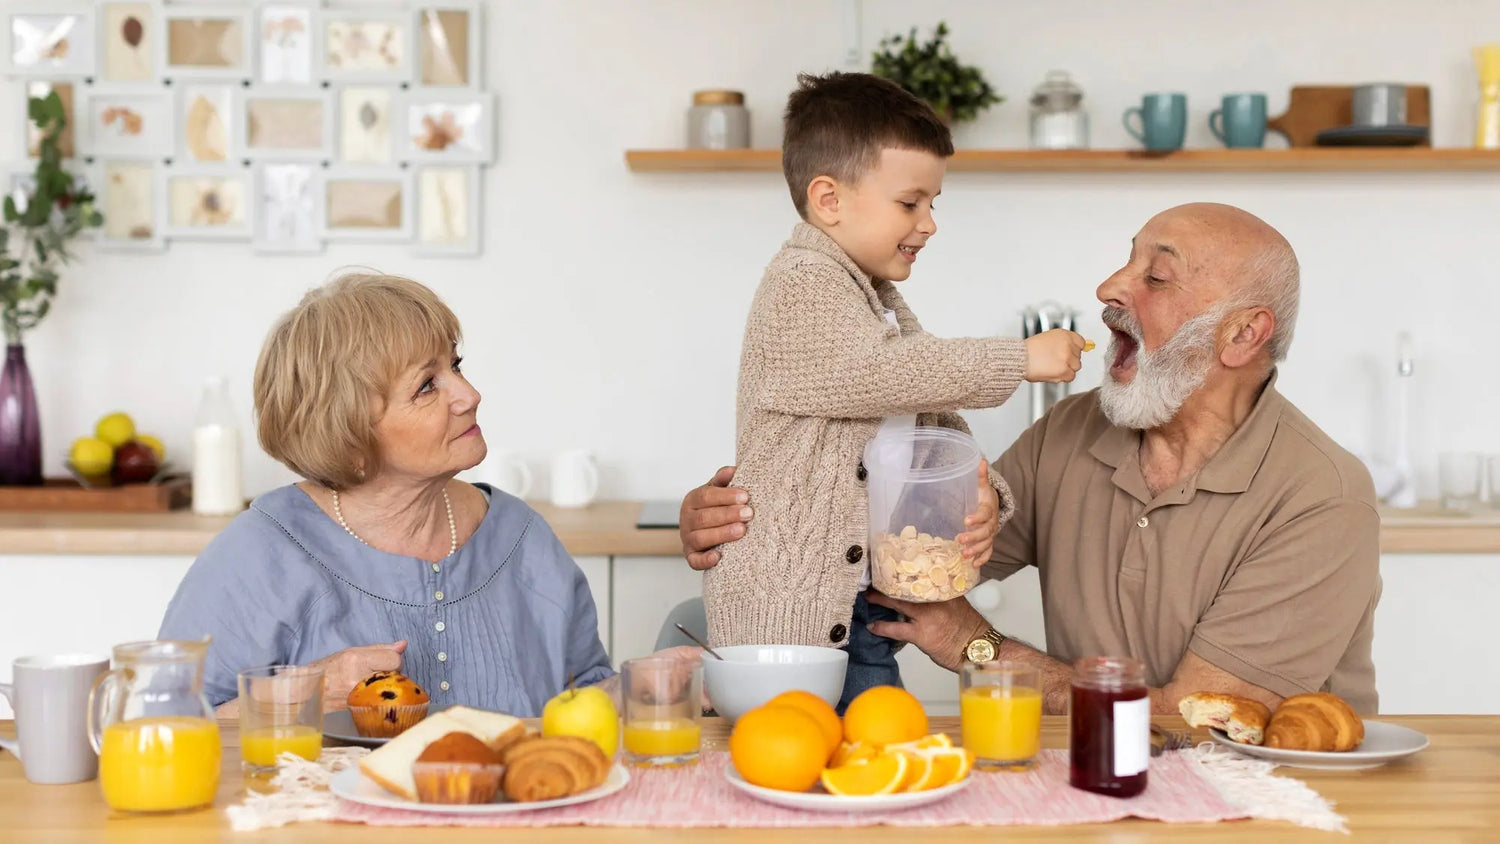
1434, 634
645, 590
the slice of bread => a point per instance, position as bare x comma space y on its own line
390, 764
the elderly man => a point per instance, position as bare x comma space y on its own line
1185, 513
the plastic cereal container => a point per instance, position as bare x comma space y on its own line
922, 483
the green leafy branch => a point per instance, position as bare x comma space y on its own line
36, 234
956, 91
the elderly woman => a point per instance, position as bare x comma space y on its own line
380, 559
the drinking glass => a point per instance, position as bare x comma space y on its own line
1458, 479
663, 707
1000, 711
281, 711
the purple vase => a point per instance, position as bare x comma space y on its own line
20, 423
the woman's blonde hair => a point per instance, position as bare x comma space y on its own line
323, 375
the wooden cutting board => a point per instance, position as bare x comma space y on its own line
67, 495
1314, 108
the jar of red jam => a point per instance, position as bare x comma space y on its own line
1109, 739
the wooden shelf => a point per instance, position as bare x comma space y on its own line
1301, 159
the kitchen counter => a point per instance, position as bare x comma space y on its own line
606, 528
1450, 791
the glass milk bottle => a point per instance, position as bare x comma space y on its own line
216, 454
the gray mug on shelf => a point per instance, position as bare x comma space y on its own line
1163, 119
51, 697
1382, 104
1240, 121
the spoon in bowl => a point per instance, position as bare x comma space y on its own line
701, 643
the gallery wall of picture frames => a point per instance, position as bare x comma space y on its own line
281, 123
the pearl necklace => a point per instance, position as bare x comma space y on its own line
448, 505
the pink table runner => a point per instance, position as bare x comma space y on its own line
700, 797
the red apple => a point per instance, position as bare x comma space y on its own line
135, 463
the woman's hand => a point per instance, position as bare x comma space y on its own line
341, 671
979, 540
711, 515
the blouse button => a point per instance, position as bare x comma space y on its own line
437, 596
442, 656
436, 567
440, 627
443, 685
1143, 522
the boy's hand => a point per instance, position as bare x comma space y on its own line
979, 540
1054, 355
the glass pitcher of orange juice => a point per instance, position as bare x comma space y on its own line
154, 730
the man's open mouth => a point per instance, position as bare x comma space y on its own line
1125, 348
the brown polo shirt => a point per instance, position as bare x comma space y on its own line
1266, 562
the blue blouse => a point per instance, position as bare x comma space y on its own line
500, 624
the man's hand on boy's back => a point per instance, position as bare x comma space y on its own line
1054, 355
711, 515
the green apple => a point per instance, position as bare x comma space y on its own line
587, 713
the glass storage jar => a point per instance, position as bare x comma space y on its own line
1058, 120
718, 120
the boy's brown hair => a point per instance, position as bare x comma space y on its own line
837, 124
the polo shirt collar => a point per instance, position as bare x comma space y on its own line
1228, 471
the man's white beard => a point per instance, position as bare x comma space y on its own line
1164, 378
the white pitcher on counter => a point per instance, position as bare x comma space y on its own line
505, 471
575, 478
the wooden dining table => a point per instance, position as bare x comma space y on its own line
1448, 792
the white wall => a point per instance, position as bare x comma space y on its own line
607, 309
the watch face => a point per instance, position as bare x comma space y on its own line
981, 650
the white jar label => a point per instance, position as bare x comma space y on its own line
1132, 736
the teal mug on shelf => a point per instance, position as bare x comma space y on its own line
1163, 119
1240, 121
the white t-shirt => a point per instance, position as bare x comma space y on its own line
891, 425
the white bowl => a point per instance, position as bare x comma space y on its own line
750, 675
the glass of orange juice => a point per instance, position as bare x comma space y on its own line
1000, 710
281, 711
663, 707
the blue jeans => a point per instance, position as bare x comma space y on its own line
872, 659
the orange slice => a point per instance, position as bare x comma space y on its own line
881, 775
850, 752
949, 765
932, 742
918, 771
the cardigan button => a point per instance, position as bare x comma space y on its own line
861, 472
838, 633
854, 554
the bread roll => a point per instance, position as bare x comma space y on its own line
1317, 721
1242, 719
546, 768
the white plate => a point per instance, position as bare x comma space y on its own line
350, 784
1383, 743
822, 801
339, 726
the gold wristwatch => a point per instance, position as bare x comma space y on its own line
985, 648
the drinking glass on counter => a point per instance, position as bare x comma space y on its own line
1000, 712
1458, 479
663, 707
281, 711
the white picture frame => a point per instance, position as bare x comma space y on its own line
351, 214
442, 230
207, 123
194, 213
289, 208
287, 42
278, 106
117, 184
427, 114
367, 117
70, 91
186, 50
50, 38
128, 32
355, 43
134, 123
430, 32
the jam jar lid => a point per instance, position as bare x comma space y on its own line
718, 97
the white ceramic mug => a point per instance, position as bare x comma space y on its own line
575, 478
51, 697
507, 472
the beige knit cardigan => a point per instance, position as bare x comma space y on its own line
820, 369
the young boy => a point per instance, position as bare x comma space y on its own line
832, 355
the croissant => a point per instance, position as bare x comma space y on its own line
1316, 721
547, 768
1242, 719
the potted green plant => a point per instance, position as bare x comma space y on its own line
39, 224
956, 91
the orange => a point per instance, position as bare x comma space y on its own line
778, 747
884, 715
881, 775
848, 753
828, 720
949, 765
918, 770
932, 742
